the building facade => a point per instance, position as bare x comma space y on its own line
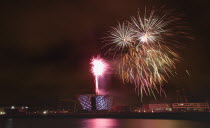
201, 107
155, 108
159, 107
92, 102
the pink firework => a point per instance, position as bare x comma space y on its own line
98, 68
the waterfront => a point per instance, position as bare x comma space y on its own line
99, 123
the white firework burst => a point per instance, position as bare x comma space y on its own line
121, 36
148, 28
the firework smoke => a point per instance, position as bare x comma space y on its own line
146, 49
98, 68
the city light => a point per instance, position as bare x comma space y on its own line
45, 112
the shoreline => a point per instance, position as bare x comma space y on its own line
204, 116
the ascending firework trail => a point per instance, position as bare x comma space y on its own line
98, 68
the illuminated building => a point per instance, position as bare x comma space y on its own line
159, 107
190, 106
156, 108
92, 102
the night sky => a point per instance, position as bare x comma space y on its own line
46, 47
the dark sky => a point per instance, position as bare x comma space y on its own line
46, 47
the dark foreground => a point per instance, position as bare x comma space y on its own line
175, 116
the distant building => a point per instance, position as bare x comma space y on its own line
156, 108
159, 107
201, 107
92, 102
16, 110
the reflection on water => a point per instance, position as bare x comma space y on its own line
142, 123
100, 123
9, 123
148, 123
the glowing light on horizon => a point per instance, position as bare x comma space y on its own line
98, 68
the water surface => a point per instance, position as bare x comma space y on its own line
100, 123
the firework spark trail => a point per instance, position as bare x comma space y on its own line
98, 68
144, 50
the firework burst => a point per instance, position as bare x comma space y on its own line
122, 36
147, 57
98, 68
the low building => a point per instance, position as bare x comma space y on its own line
192, 107
156, 108
16, 110
159, 107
